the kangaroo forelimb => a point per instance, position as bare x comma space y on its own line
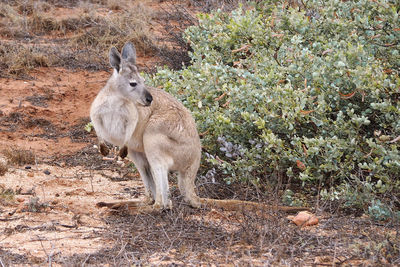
104, 150
123, 152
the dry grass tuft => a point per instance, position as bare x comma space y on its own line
38, 23
6, 195
80, 40
116, 5
19, 156
3, 168
132, 24
18, 59
35, 205
184, 236
25, 7
225, 5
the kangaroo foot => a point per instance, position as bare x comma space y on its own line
159, 207
148, 200
194, 202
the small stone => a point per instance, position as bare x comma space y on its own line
28, 167
304, 218
47, 172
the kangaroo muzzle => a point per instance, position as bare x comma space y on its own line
148, 98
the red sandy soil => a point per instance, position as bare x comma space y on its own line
66, 101
40, 115
69, 220
52, 211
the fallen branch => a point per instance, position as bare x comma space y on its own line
10, 219
132, 205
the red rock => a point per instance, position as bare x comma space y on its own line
304, 218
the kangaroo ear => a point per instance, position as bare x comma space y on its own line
129, 52
115, 59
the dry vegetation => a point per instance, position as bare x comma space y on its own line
185, 236
3, 168
77, 35
19, 157
70, 34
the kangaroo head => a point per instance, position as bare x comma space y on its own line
129, 83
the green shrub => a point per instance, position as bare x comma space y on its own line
312, 94
378, 211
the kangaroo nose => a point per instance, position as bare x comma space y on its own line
149, 98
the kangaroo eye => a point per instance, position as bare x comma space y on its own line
133, 84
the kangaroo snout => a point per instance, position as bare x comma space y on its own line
148, 98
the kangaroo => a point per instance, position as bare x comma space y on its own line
157, 131
158, 134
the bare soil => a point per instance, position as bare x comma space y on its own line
48, 213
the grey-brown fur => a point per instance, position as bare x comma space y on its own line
158, 131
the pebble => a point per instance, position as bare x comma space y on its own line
304, 218
47, 172
28, 167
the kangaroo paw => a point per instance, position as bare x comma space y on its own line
104, 149
123, 152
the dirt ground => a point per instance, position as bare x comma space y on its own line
48, 213
54, 209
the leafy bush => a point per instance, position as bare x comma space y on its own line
379, 211
310, 93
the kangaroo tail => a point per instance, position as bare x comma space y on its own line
238, 205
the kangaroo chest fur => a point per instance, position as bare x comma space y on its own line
115, 120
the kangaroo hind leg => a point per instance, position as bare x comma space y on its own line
143, 166
187, 188
160, 173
